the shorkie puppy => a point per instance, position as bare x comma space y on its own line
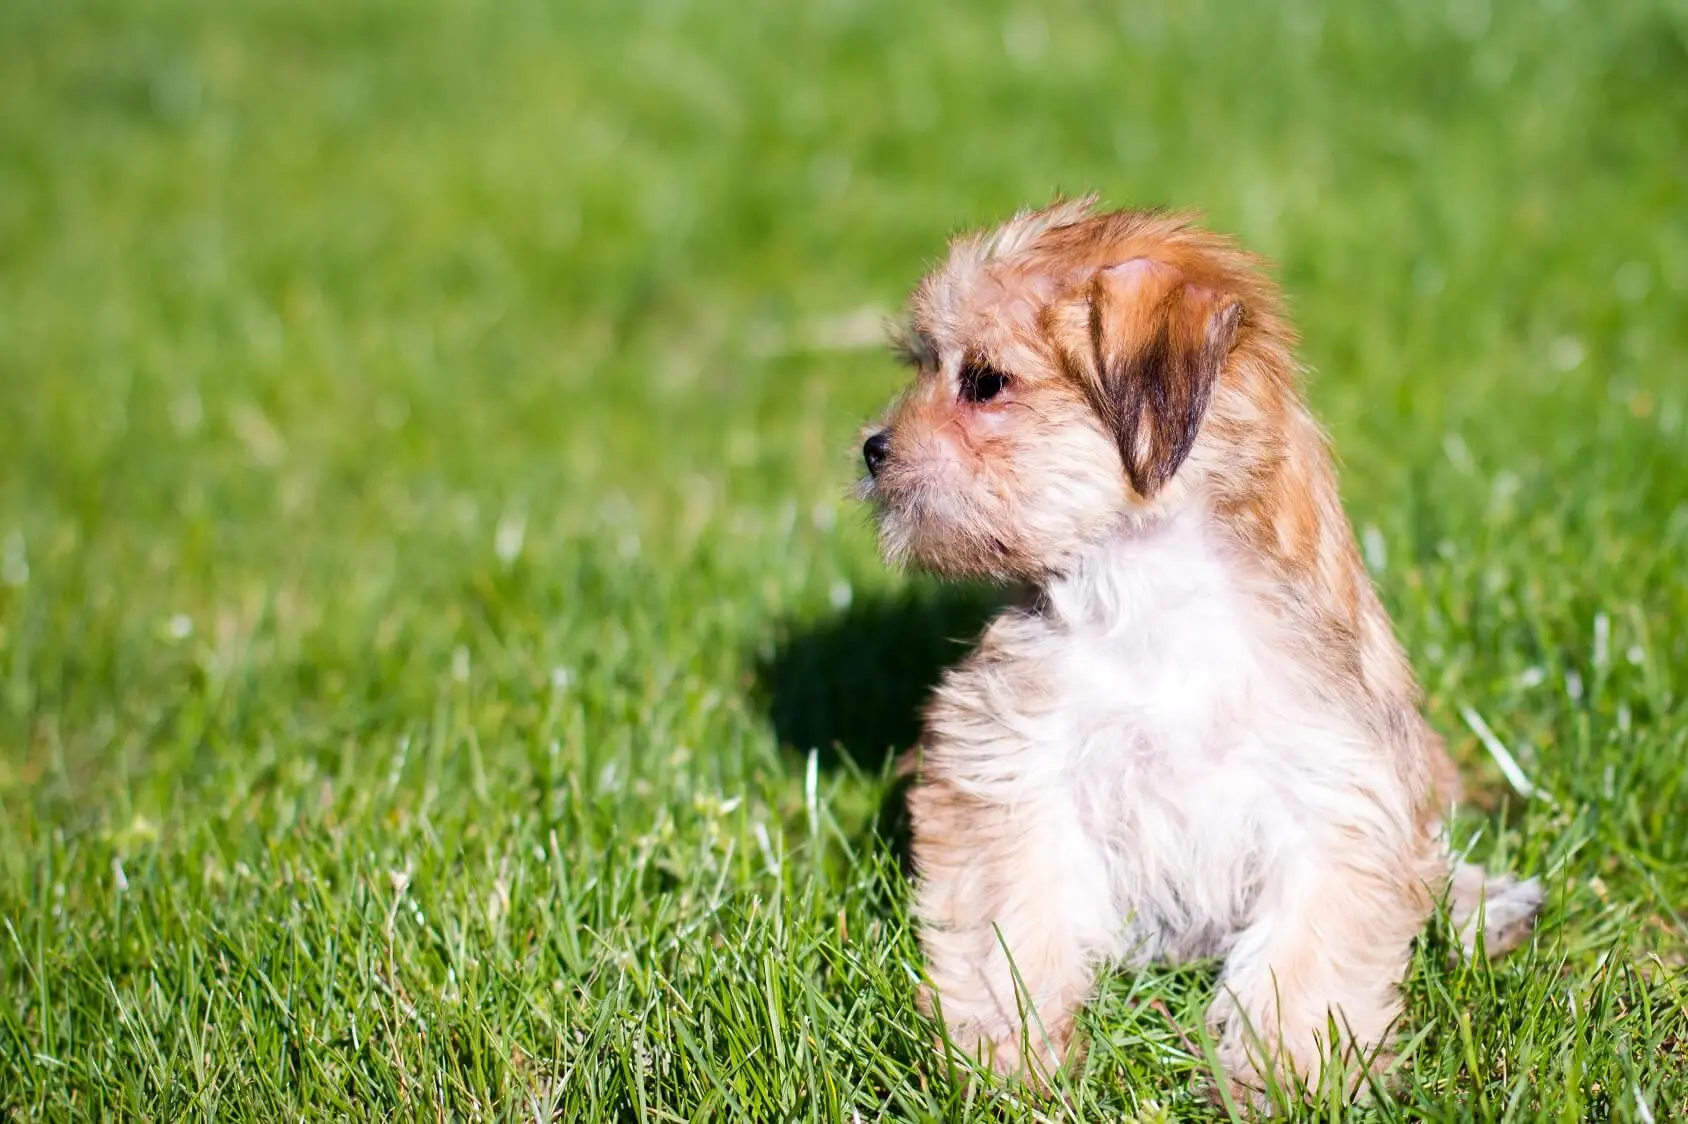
1196, 734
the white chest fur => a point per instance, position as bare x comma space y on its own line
1154, 633
1161, 711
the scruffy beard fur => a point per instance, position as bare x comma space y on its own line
1197, 736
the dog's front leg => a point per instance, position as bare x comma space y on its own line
1015, 913
1329, 946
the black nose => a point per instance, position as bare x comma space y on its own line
875, 449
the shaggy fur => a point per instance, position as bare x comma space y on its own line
1197, 735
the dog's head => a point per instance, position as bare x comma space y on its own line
1066, 368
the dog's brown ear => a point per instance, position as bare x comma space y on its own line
1160, 343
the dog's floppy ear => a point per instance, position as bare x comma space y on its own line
1160, 343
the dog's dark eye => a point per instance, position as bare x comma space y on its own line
981, 384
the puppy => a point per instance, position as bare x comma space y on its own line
1196, 735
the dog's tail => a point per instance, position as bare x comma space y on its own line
1502, 907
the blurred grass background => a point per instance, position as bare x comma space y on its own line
441, 671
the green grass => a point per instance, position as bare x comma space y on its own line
442, 674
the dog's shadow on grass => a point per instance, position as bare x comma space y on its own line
850, 687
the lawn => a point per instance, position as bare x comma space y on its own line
443, 673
